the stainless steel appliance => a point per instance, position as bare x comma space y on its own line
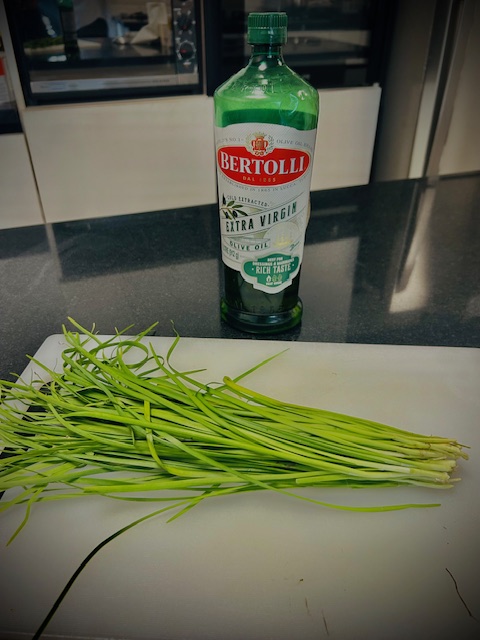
79, 50
332, 43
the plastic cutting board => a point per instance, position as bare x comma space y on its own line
265, 566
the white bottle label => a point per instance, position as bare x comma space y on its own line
264, 173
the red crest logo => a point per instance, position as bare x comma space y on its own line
259, 145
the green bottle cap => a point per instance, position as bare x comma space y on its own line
267, 28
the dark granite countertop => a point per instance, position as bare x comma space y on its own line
387, 263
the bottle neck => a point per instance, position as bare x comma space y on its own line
267, 55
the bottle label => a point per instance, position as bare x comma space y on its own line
264, 173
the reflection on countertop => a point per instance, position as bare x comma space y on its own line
387, 263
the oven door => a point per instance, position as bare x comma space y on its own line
79, 50
331, 43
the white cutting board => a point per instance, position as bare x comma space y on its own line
265, 566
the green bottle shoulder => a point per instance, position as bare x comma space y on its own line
269, 85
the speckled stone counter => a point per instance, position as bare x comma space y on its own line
391, 263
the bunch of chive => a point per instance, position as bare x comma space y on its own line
164, 430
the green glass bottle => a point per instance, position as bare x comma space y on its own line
265, 128
67, 19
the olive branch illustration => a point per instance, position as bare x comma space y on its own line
231, 209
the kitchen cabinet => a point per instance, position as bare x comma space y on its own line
19, 202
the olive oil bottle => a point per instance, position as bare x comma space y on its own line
265, 129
